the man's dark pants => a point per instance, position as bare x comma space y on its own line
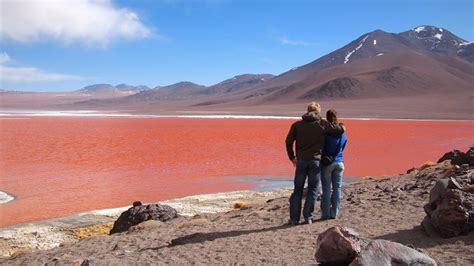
312, 170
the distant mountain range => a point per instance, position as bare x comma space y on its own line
425, 61
110, 89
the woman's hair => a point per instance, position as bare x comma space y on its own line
331, 116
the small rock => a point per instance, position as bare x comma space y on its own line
412, 170
53, 262
88, 262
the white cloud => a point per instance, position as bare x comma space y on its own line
28, 74
4, 58
286, 41
85, 21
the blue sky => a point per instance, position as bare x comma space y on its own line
160, 42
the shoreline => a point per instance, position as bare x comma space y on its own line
51, 233
13, 114
260, 184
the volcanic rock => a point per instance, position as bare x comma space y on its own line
140, 213
450, 210
337, 245
384, 252
458, 157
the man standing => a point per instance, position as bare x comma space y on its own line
309, 134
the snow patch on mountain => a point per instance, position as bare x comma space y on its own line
375, 42
348, 55
380, 54
438, 36
464, 43
419, 29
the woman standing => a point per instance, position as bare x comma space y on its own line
333, 168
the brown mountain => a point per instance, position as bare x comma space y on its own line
423, 61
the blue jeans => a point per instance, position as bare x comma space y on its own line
331, 179
312, 170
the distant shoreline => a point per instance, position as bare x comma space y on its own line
116, 114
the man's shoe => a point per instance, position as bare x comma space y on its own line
309, 221
291, 222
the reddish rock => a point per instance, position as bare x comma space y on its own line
337, 245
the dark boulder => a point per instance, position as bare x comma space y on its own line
458, 157
337, 246
384, 252
140, 213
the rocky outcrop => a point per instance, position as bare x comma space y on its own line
450, 209
337, 245
140, 213
343, 246
458, 157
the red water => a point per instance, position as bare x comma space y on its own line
60, 166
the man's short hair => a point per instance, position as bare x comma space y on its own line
314, 107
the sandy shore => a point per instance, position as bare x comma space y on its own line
385, 208
51, 233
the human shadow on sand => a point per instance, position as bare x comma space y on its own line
211, 236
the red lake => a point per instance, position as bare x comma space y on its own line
57, 166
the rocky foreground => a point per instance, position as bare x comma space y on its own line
389, 209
